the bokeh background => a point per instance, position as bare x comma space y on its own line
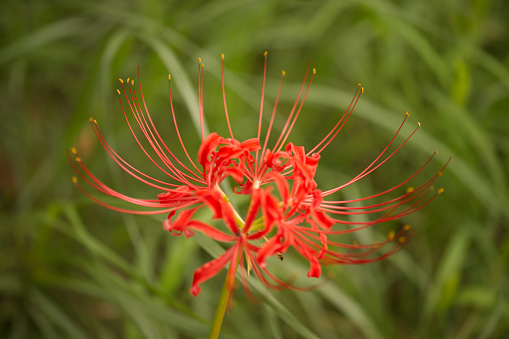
72, 269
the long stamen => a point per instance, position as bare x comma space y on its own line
261, 105
176, 126
283, 73
200, 95
224, 97
298, 111
339, 125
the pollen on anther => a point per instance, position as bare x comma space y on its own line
407, 227
222, 56
91, 119
74, 180
132, 82
410, 189
199, 60
406, 113
440, 190
314, 70
169, 77
73, 150
118, 91
121, 81
402, 240
390, 236
362, 89
418, 124
436, 152
128, 80
226, 198
265, 53
78, 159
283, 73
202, 66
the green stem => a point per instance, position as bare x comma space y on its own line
223, 302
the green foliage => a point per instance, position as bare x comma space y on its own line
72, 269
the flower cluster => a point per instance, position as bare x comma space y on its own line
287, 210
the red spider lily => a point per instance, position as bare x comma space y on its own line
287, 210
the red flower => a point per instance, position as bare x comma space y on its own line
287, 210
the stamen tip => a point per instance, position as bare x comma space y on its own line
222, 56
132, 82
314, 70
202, 66
410, 189
362, 90
265, 53
402, 240
73, 150
121, 81
283, 72
75, 180
169, 76
436, 152
199, 60
440, 190
390, 236
77, 158
128, 80
406, 113
407, 227
118, 91
91, 119
418, 124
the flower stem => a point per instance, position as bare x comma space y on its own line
223, 301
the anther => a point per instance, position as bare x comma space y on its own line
407, 227
406, 112
440, 190
265, 53
402, 240
202, 65
226, 198
314, 70
431, 188
121, 81
418, 124
169, 77
222, 56
132, 82
77, 158
73, 150
280, 256
283, 72
91, 119
410, 189
362, 90
390, 236
436, 152
118, 91
127, 80
75, 180
199, 60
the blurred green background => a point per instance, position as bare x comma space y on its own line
72, 269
